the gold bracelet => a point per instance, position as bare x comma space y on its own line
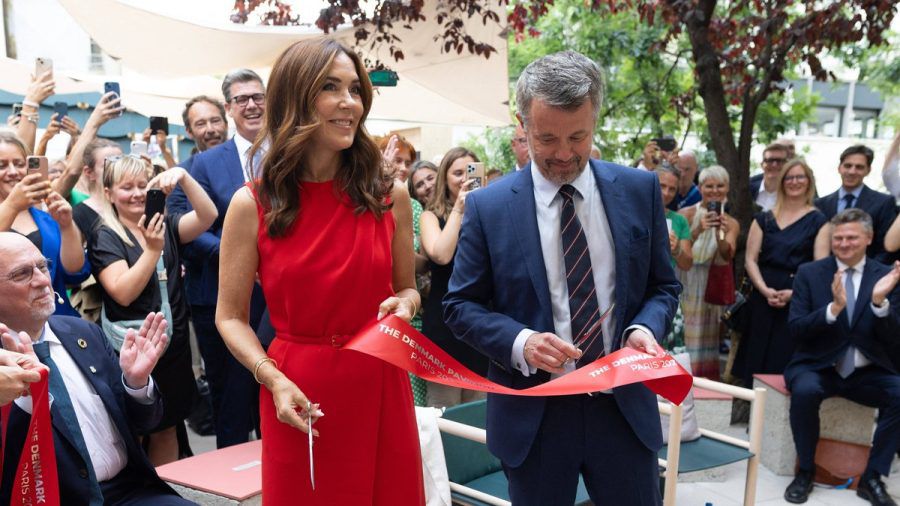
415, 309
259, 364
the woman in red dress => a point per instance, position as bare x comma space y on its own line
331, 238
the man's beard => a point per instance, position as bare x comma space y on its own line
558, 178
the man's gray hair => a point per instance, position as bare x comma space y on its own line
854, 215
668, 168
564, 80
238, 76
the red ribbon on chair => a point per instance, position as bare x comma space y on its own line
36, 481
398, 343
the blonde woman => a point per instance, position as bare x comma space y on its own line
792, 233
125, 250
714, 239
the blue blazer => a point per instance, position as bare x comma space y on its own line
819, 344
129, 417
219, 172
880, 206
51, 244
499, 287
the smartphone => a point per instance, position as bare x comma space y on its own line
138, 148
17, 110
38, 164
113, 86
61, 109
154, 204
665, 143
159, 123
714, 206
42, 66
475, 171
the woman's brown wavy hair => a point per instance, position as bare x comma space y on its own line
290, 122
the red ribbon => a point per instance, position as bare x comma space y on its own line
36, 480
396, 342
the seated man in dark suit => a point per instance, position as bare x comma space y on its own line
856, 163
845, 318
98, 400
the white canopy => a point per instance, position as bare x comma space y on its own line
434, 87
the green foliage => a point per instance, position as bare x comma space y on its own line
493, 148
650, 87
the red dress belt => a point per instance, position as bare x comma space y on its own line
335, 340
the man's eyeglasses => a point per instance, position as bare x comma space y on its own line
19, 164
776, 161
25, 274
258, 99
799, 178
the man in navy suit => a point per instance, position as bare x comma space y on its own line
221, 171
541, 254
98, 400
845, 317
855, 165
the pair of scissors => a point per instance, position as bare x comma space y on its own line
309, 423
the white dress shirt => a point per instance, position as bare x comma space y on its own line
859, 360
590, 211
101, 437
243, 148
765, 199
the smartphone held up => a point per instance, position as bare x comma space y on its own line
38, 165
155, 203
113, 87
475, 172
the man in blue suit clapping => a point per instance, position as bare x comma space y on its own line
541, 255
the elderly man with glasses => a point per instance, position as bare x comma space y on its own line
98, 400
221, 170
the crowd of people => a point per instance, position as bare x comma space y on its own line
278, 244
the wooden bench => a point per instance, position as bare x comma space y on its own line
839, 419
227, 477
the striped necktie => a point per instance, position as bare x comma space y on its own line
584, 309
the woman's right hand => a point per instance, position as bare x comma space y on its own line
291, 406
154, 233
29, 192
464, 189
710, 220
109, 106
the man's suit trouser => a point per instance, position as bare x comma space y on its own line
585, 435
235, 395
870, 386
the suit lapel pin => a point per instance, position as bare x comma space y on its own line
93, 369
82, 344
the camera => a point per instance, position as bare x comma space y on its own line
714, 206
475, 171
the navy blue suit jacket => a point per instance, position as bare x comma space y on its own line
819, 344
129, 417
499, 287
219, 172
880, 206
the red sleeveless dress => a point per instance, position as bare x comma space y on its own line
323, 282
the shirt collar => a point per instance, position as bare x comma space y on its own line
842, 191
547, 191
242, 144
857, 268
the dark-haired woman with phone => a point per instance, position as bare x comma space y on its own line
125, 252
22, 199
714, 234
440, 225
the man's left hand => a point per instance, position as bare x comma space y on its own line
886, 284
141, 350
643, 342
